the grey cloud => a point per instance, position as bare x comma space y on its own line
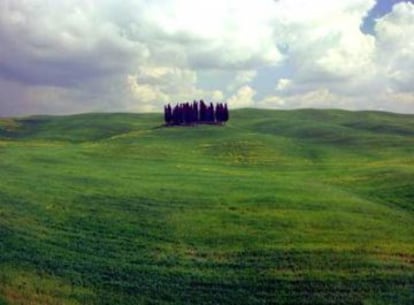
36, 50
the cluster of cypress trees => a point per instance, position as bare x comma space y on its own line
196, 113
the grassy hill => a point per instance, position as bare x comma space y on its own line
276, 207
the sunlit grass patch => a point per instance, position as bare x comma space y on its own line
22, 287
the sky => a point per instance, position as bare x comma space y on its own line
74, 56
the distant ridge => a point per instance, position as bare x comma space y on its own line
308, 124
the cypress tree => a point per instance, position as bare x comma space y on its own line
219, 112
203, 110
177, 115
195, 112
167, 114
225, 113
187, 113
211, 116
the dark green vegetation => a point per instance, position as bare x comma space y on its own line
277, 207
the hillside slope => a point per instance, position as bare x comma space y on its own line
276, 207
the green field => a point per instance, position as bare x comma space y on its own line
276, 207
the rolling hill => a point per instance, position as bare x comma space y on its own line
277, 207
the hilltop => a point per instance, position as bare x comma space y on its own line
303, 123
275, 207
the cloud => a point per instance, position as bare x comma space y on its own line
323, 41
232, 35
320, 98
61, 43
335, 65
274, 101
134, 55
283, 84
154, 86
242, 98
240, 78
395, 53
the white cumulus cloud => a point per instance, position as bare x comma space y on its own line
242, 98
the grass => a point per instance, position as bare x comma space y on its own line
276, 207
